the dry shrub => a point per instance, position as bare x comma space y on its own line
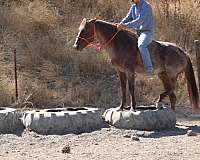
177, 21
6, 91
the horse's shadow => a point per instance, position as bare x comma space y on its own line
178, 130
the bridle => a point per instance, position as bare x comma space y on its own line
88, 38
98, 46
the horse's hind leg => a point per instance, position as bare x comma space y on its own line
164, 78
172, 96
169, 86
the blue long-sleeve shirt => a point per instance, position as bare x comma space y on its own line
140, 17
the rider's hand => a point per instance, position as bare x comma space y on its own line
120, 27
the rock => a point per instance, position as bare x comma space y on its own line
127, 136
135, 138
191, 133
66, 149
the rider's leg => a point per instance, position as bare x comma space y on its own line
144, 40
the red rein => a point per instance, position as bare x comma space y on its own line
98, 46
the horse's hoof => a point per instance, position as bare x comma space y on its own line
127, 108
173, 108
159, 105
132, 109
119, 108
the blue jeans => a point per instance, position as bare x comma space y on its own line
145, 38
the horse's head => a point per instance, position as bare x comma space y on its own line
86, 34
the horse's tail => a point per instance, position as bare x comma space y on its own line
192, 86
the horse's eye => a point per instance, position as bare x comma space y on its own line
84, 30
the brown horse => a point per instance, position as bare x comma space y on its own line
168, 60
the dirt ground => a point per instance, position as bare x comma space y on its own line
108, 144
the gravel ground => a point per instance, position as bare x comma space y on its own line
108, 144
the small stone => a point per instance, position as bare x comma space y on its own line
127, 136
191, 133
32, 144
66, 149
135, 138
36, 136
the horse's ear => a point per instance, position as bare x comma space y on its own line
84, 21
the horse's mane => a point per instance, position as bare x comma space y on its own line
127, 32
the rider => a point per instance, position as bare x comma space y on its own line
140, 18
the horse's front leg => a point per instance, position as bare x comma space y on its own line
131, 85
123, 81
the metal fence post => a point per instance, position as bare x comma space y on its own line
15, 68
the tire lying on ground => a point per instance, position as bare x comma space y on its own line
10, 121
144, 118
63, 120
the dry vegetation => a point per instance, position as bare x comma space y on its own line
52, 74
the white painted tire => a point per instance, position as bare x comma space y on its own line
150, 119
10, 121
63, 120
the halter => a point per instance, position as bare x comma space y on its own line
98, 46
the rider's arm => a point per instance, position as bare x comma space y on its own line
128, 17
145, 11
